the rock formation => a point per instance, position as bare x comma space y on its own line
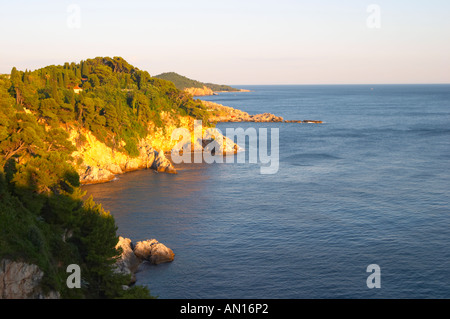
199, 91
19, 280
153, 251
101, 164
221, 113
162, 164
132, 255
127, 263
93, 174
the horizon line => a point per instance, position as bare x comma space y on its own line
297, 84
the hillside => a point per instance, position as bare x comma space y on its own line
58, 126
183, 83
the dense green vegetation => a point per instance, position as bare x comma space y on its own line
181, 82
44, 219
117, 101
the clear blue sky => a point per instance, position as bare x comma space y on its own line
237, 42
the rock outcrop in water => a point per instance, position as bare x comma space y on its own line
127, 263
222, 113
133, 255
207, 91
162, 164
153, 251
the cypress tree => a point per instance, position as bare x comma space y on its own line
84, 68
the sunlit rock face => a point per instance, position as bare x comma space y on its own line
199, 91
153, 251
132, 255
98, 163
162, 164
222, 113
127, 262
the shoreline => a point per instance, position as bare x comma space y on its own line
151, 251
150, 158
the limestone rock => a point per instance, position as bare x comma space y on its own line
133, 255
221, 113
131, 165
93, 174
147, 155
220, 143
127, 263
153, 251
266, 117
162, 164
114, 168
199, 91
19, 280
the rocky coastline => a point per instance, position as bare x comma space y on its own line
20, 280
148, 159
101, 164
134, 254
206, 91
222, 113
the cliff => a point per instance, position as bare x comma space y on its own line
19, 280
99, 163
199, 91
122, 120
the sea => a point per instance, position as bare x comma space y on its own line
369, 186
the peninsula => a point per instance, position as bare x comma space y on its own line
62, 126
194, 87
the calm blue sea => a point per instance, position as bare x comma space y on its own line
369, 186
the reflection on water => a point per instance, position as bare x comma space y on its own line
143, 192
352, 192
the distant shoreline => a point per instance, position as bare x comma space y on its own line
205, 91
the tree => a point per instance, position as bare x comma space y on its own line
96, 233
84, 69
22, 136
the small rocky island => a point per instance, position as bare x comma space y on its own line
149, 251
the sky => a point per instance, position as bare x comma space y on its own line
238, 42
